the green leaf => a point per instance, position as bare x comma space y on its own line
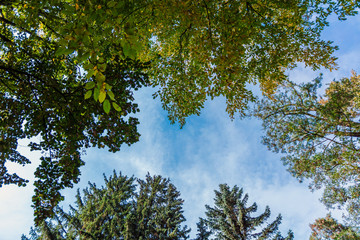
59, 52
90, 73
102, 95
102, 67
62, 51
96, 94
90, 85
111, 95
84, 57
111, 4
108, 86
116, 107
106, 106
88, 94
88, 66
100, 77
129, 51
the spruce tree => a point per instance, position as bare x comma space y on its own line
102, 213
117, 211
159, 213
99, 213
203, 231
231, 219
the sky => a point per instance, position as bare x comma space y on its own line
210, 149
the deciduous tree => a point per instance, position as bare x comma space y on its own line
198, 49
328, 228
319, 136
44, 97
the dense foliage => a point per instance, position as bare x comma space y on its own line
328, 228
231, 219
319, 136
198, 49
118, 211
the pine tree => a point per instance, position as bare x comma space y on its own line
103, 212
117, 211
230, 219
159, 213
203, 230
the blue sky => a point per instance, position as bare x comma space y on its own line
209, 150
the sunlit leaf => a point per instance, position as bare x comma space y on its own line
88, 94
111, 95
90, 73
116, 107
96, 94
102, 95
106, 106
89, 85
108, 86
100, 78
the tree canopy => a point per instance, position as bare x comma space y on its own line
198, 49
57, 55
230, 218
320, 137
329, 228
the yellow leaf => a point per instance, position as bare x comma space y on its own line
102, 95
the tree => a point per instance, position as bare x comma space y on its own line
328, 228
101, 213
159, 213
231, 219
117, 211
45, 231
40, 98
56, 53
319, 136
43, 95
203, 230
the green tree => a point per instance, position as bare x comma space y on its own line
158, 212
45, 231
101, 213
40, 97
328, 228
231, 219
117, 211
319, 136
203, 230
